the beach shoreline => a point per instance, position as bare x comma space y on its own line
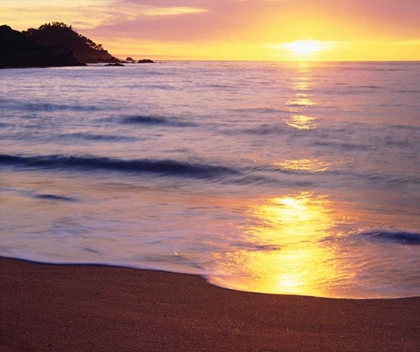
48, 307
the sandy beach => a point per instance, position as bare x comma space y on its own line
98, 308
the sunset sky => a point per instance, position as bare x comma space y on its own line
234, 29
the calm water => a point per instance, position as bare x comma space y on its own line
296, 178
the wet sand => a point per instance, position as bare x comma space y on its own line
98, 308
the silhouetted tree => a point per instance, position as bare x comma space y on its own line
59, 33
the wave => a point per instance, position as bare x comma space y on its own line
92, 163
96, 137
34, 107
154, 120
156, 73
219, 86
405, 127
42, 196
151, 86
389, 69
372, 68
264, 130
400, 237
267, 129
414, 91
58, 107
343, 146
369, 87
54, 197
261, 111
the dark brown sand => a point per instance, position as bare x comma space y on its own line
97, 308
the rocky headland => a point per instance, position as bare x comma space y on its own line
53, 45
84, 49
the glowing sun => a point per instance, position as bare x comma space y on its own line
305, 47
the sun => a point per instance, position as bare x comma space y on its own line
305, 47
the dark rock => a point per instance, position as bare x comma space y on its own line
115, 64
16, 51
98, 60
145, 61
130, 60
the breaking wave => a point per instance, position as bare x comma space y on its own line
154, 120
92, 163
96, 137
401, 237
36, 107
54, 197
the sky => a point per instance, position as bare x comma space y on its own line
344, 30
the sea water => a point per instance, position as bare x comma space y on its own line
292, 178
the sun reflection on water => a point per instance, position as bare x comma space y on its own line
302, 122
300, 101
302, 84
307, 165
289, 249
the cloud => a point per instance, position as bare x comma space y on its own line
169, 11
244, 23
88, 13
33, 13
249, 19
269, 20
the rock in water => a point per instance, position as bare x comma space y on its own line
145, 61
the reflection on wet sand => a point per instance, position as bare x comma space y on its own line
293, 254
288, 241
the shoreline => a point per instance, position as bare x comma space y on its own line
49, 307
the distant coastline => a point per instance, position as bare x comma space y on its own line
53, 45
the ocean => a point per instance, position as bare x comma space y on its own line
288, 178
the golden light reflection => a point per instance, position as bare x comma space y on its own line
302, 84
308, 165
300, 101
302, 122
287, 249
